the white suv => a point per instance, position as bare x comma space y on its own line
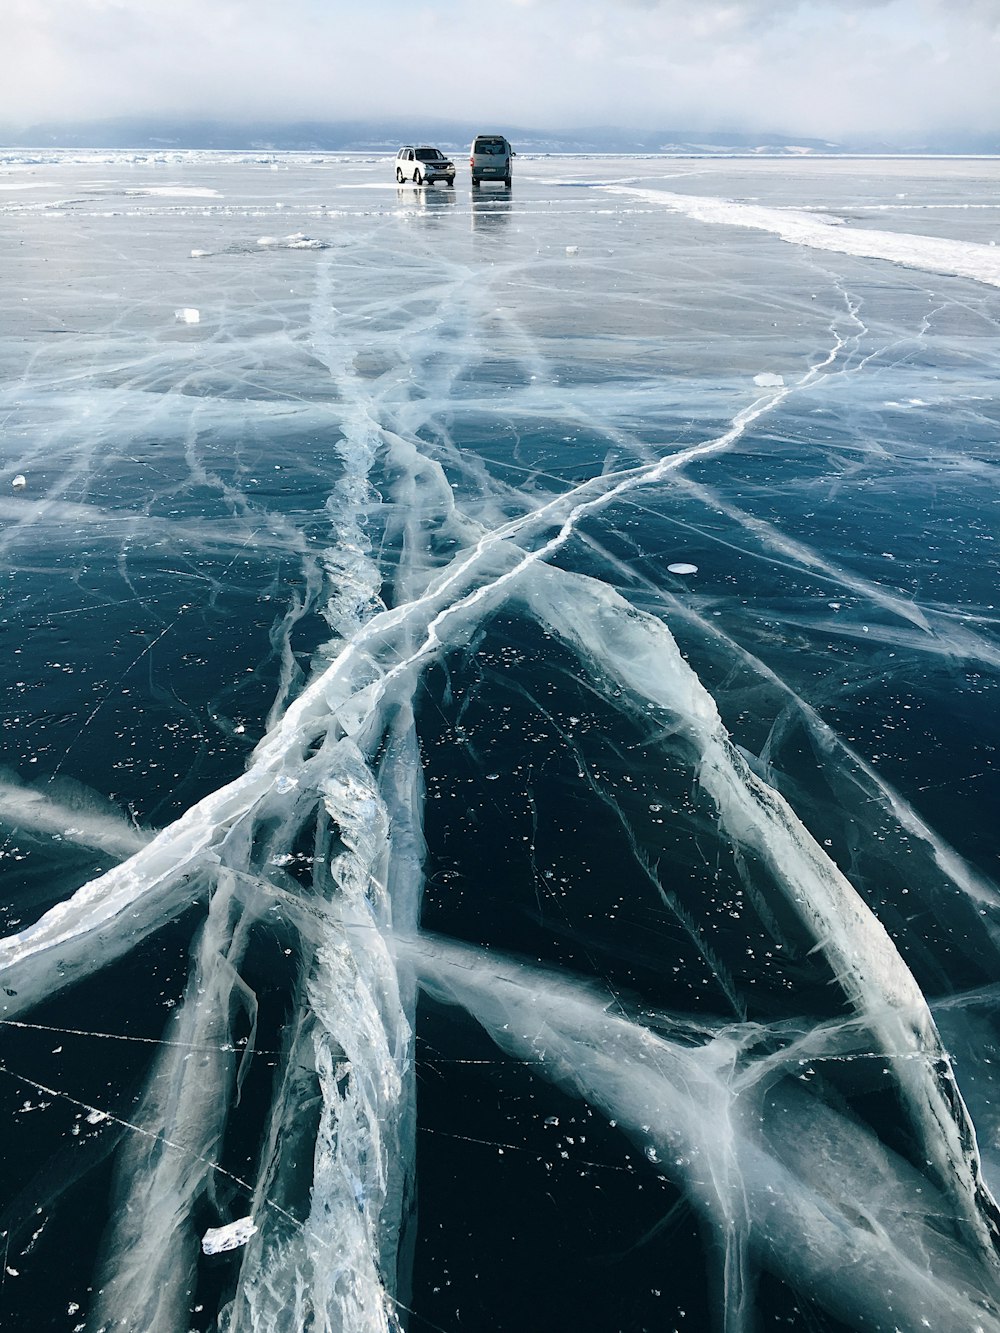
423, 165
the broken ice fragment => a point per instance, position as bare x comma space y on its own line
217, 1240
188, 315
766, 380
283, 782
19, 481
682, 569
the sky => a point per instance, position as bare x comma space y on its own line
817, 68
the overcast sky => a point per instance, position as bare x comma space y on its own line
818, 68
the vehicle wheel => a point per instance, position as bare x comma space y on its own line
399, 175
417, 178
506, 181
452, 182
475, 182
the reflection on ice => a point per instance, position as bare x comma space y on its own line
367, 604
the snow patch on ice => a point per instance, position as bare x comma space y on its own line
176, 191
931, 254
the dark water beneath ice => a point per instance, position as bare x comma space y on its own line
395, 849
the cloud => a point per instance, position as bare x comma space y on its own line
816, 67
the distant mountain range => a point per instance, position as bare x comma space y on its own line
151, 135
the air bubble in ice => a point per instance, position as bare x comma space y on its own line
682, 569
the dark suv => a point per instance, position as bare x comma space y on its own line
490, 159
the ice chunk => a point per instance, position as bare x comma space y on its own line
572, 249
296, 241
217, 1240
19, 481
188, 315
681, 568
766, 380
283, 783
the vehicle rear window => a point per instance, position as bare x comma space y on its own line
489, 146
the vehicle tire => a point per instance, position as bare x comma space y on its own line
417, 178
475, 182
399, 175
506, 181
452, 182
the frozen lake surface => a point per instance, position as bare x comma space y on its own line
499, 779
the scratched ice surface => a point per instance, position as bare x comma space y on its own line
499, 746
